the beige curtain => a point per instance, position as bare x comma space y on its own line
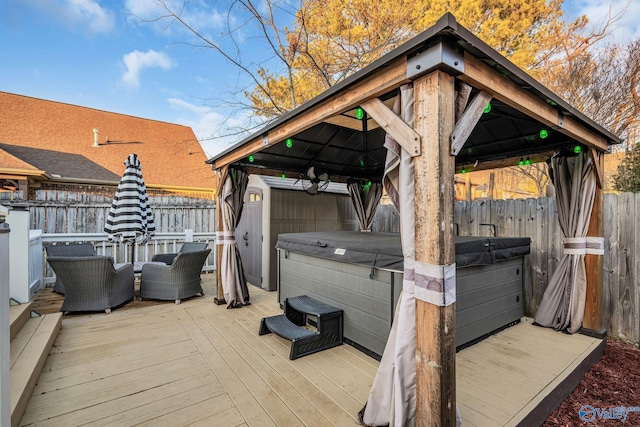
562, 305
365, 198
234, 282
392, 400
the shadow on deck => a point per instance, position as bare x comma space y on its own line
154, 362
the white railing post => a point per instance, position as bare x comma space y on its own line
5, 365
19, 252
36, 262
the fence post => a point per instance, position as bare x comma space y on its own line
19, 252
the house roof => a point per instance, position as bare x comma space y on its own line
58, 138
11, 162
325, 133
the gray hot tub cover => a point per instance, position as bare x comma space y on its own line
384, 250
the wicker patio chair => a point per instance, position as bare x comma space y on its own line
186, 247
92, 283
70, 250
174, 282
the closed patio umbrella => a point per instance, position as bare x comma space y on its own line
130, 217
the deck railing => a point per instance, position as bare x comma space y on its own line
121, 251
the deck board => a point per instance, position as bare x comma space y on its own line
498, 377
200, 364
279, 362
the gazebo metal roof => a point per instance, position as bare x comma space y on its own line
342, 146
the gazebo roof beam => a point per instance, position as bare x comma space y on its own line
377, 84
488, 80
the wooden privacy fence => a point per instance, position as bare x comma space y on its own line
68, 212
73, 212
538, 219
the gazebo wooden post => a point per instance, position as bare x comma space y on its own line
593, 311
434, 243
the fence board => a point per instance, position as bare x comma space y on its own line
539, 261
610, 263
626, 265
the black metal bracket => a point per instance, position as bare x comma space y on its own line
439, 56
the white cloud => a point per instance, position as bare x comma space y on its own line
136, 61
98, 19
85, 15
627, 27
208, 125
145, 9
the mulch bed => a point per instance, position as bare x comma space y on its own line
613, 382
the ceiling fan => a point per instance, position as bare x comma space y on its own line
313, 184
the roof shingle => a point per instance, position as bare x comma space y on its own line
59, 139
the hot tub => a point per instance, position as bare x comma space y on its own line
361, 273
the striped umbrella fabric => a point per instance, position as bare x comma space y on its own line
130, 217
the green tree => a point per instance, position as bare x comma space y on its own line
628, 176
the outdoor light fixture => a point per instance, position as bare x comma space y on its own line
527, 162
463, 170
289, 142
251, 158
544, 133
283, 175
521, 162
487, 108
359, 113
577, 149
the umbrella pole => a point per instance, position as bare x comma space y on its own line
133, 252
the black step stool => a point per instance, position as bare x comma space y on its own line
304, 341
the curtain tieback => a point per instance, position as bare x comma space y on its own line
226, 237
583, 245
435, 284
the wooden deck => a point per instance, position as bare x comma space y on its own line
200, 364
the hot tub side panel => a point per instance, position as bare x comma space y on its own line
488, 297
367, 303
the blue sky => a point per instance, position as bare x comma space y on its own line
97, 54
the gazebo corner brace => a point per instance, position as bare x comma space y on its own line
439, 56
404, 135
468, 121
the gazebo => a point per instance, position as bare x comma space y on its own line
472, 110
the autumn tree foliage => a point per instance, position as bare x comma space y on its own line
333, 39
